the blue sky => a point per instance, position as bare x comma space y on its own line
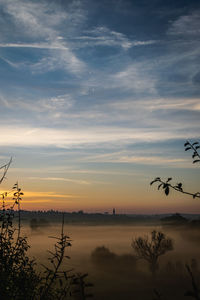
97, 98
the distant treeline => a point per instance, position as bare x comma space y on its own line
81, 217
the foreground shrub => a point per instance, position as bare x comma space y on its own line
18, 276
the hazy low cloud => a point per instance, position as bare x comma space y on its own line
166, 104
146, 157
52, 104
137, 78
43, 137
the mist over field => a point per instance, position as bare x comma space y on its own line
118, 274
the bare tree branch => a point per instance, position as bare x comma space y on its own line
5, 167
166, 185
195, 293
194, 147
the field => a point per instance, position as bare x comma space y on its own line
120, 275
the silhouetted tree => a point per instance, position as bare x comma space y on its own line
102, 254
34, 224
150, 249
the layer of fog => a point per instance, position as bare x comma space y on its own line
121, 276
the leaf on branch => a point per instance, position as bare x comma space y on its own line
197, 160
169, 179
188, 148
160, 186
196, 195
155, 180
197, 147
167, 191
195, 143
187, 143
152, 182
194, 154
179, 186
15, 186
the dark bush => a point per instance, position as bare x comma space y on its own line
19, 279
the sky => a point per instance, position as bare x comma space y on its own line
97, 98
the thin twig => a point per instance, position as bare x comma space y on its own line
5, 167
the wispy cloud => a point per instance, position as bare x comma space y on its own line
39, 26
75, 181
10, 63
42, 137
158, 104
136, 77
52, 104
187, 25
39, 23
58, 60
26, 201
103, 36
54, 46
33, 19
148, 157
34, 194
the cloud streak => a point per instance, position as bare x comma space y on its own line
75, 181
43, 137
103, 36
